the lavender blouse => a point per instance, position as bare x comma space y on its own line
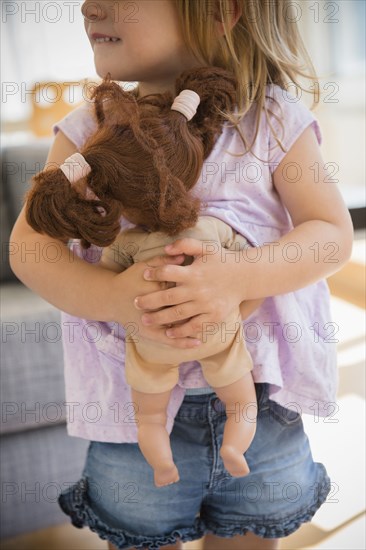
290, 337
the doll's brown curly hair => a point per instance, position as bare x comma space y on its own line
144, 157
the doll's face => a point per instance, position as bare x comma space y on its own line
145, 42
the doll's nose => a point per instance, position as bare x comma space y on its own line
93, 10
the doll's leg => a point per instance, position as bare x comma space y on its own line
241, 411
153, 438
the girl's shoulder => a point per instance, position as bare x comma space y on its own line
288, 105
286, 117
78, 125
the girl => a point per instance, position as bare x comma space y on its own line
302, 233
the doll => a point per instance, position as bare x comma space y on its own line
142, 163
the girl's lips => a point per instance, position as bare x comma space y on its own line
104, 38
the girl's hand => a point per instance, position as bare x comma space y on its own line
130, 283
206, 291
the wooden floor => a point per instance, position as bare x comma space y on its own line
349, 284
308, 537
66, 537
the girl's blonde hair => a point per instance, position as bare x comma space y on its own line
264, 47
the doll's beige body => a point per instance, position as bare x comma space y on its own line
152, 368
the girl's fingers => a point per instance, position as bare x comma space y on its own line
171, 273
188, 246
158, 335
165, 260
192, 329
159, 299
170, 315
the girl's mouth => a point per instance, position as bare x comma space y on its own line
104, 39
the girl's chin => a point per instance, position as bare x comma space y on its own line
102, 69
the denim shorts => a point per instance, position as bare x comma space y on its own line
116, 496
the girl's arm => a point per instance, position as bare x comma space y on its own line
73, 285
318, 246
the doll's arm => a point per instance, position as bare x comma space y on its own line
114, 258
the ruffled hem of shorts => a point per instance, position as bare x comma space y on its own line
74, 503
271, 530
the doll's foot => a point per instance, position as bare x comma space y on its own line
166, 474
234, 461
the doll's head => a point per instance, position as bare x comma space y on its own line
145, 158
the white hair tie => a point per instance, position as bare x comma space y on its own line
186, 103
75, 168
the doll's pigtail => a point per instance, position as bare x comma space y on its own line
56, 208
46, 204
217, 89
180, 150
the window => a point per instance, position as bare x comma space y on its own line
41, 41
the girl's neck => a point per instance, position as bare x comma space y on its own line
142, 90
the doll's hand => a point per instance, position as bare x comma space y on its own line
130, 283
206, 291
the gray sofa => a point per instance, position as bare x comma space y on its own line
38, 458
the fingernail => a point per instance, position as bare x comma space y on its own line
146, 320
136, 302
197, 343
169, 247
147, 274
169, 334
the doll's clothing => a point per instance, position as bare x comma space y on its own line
152, 367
